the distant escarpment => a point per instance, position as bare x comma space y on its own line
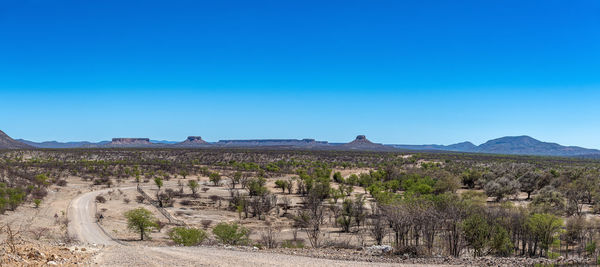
304, 143
8, 143
130, 142
55, 144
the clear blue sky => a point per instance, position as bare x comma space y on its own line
398, 71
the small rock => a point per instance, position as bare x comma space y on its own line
51, 263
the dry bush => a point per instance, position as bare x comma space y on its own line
39, 232
139, 199
186, 202
206, 223
215, 199
13, 236
100, 199
268, 235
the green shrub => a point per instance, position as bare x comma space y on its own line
187, 236
37, 203
590, 248
231, 234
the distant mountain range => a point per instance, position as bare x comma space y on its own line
511, 145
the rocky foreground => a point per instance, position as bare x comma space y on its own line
369, 255
40, 254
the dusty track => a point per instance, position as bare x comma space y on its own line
83, 226
82, 221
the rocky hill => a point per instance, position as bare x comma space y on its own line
362, 143
8, 143
512, 145
525, 145
193, 141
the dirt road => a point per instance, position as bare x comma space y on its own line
83, 226
82, 220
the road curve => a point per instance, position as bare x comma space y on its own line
82, 220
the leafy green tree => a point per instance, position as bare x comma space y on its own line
236, 179
529, 182
193, 185
365, 180
338, 178
256, 187
418, 185
41, 180
336, 194
281, 184
231, 234
187, 236
215, 178
16, 196
142, 221
392, 185
476, 231
352, 179
501, 244
470, 178
545, 229
158, 182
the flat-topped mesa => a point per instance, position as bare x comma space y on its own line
130, 141
195, 139
361, 142
361, 139
192, 141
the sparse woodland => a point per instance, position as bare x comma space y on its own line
422, 205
